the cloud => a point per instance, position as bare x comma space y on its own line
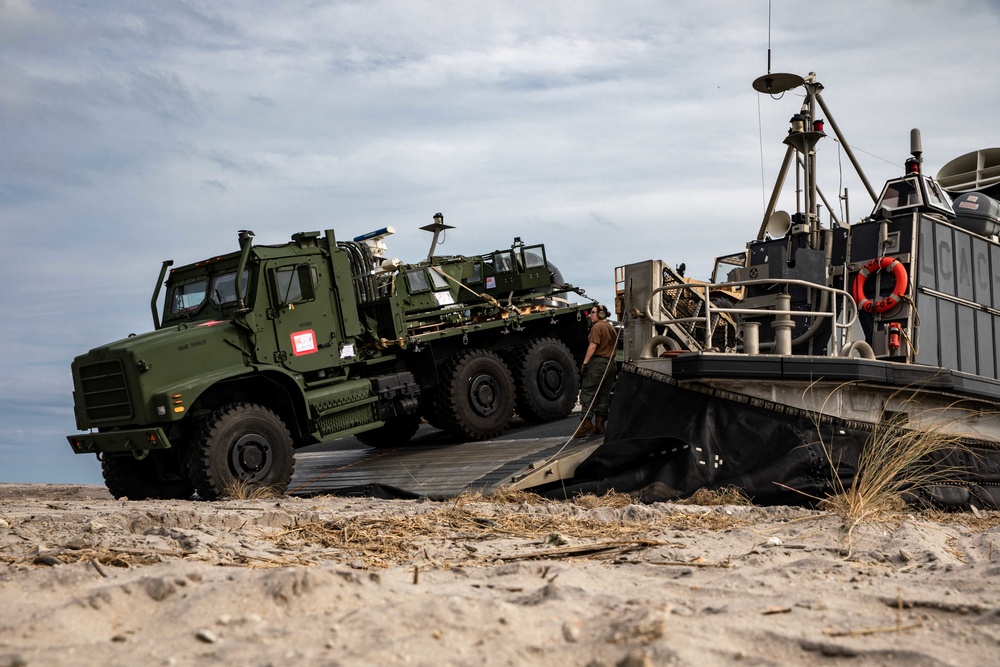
263, 100
550, 62
23, 26
211, 184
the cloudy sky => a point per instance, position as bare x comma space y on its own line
133, 132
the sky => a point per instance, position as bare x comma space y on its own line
613, 132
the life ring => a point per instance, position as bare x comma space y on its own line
874, 266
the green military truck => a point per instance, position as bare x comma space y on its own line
274, 347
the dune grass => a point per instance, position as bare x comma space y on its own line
894, 464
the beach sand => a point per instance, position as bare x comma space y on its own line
88, 580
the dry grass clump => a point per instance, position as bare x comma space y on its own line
505, 496
241, 489
502, 496
97, 556
611, 499
975, 522
488, 528
893, 462
728, 495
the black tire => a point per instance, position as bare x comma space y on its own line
476, 399
128, 477
396, 431
244, 442
429, 408
547, 380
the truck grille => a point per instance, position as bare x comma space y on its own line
105, 395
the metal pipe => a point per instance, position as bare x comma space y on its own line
824, 302
833, 216
826, 202
828, 308
812, 210
783, 325
707, 287
649, 348
847, 148
799, 190
246, 242
782, 173
751, 337
156, 292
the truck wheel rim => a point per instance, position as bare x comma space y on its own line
483, 393
250, 457
550, 379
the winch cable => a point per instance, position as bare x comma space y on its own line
551, 458
586, 413
485, 297
494, 302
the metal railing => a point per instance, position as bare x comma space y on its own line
840, 328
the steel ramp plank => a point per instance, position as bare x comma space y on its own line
434, 471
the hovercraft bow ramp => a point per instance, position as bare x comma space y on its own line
426, 467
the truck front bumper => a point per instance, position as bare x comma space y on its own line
138, 441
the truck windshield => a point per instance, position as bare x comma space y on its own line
188, 297
534, 257
220, 289
223, 290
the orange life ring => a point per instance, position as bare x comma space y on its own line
874, 266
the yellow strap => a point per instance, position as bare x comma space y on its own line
485, 297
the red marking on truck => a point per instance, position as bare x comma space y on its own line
304, 342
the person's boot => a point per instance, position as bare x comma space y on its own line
601, 422
586, 427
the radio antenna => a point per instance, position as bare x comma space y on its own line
768, 36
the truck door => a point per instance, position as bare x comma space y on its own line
305, 326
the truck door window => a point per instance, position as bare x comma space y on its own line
439, 281
289, 282
534, 257
504, 262
188, 297
477, 274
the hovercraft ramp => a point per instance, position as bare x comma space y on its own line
438, 471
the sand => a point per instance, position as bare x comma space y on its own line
88, 580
